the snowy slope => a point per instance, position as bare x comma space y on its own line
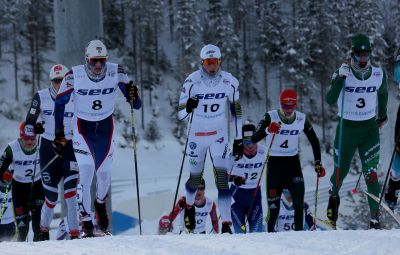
291, 243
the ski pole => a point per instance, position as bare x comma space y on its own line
136, 166
183, 161
355, 190
243, 227
316, 203
3, 205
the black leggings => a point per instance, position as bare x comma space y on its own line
285, 172
25, 209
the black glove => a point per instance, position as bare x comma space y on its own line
238, 180
381, 121
191, 104
238, 148
182, 203
132, 92
38, 128
319, 169
59, 145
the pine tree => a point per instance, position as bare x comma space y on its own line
114, 24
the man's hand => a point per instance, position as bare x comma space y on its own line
7, 177
132, 92
38, 128
59, 145
191, 104
238, 148
344, 70
381, 122
319, 169
274, 127
238, 180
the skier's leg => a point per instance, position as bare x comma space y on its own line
71, 173
296, 189
21, 196
83, 143
275, 184
393, 190
50, 179
348, 148
256, 215
218, 154
369, 155
198, 147
36, 208
238, 210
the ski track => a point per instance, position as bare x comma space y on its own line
370, 242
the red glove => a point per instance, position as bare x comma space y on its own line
274, 127
7, 177
319, 169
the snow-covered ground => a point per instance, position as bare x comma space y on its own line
374, 242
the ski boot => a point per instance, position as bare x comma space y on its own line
102, 217
44, 235
87, 229
332, 211
392, 193
74, 234
189, 218
374, 223
226, 227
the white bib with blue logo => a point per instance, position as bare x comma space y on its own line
361, 96
47, 115
23, 165
95, 101
286, 141
250, 168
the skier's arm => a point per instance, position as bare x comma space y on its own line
335, 87
63, 97
236, 108
260, 131
177, 209
313, 139
5, 161
308, 218
185, 95
34, 111
123, 83
383, 97
214, 218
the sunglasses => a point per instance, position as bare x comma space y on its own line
362, 53
247, 141
93, 61
57, 80
288, 106
29, 138
211, 61
201, 188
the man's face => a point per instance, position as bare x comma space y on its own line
56, 83
362, 57
211, 65
248, 144
29, 141
96, 65
288, 110
200, 193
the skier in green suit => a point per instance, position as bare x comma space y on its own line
364, 87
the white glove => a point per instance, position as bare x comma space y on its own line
344, 70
